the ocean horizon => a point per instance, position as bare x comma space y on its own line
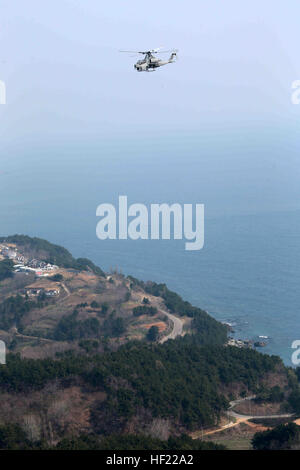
247, 273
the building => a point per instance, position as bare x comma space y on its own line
33, 292
36, 291
52, 292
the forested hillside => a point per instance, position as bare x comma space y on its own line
95, 376
182, 382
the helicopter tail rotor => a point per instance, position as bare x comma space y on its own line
173, 56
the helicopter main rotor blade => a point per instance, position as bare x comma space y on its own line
157, 49
163, 52
152, 51
144, 52
134, 52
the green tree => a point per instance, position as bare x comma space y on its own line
104, 308
6, 269
153, 333
57, 278
294, 400
284, 436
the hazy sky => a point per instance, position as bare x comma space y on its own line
228, 97
64, 72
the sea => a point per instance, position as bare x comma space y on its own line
247, 273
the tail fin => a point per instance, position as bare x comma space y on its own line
173, 57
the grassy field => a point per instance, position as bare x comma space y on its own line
236, 438
237, 443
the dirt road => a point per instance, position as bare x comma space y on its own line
239, 418
65, 289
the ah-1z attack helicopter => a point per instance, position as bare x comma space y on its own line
149, 63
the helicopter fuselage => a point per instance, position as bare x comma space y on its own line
150, 63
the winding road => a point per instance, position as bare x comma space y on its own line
177, 327
239, 418
236, 415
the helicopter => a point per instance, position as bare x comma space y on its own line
149, 63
